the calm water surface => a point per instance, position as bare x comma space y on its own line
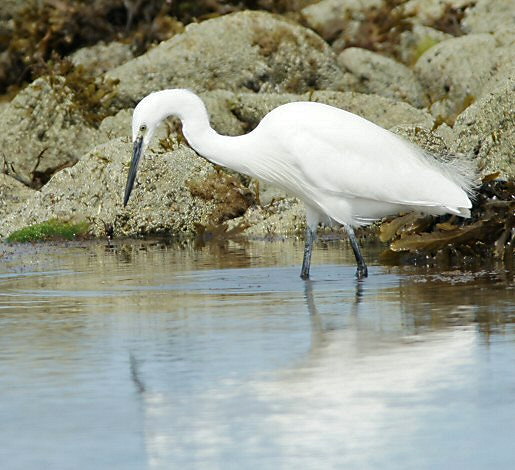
158, 356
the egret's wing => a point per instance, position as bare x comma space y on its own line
370, 163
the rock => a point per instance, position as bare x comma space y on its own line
454, 71
487, 130
219, 104
428, 11
330, 17
282, 217
10, 8
417, 40
42, 131
161, 203
487, 16
385, 112
119, 125
12, 195
380, 75
102, 57
249, 50
382, 111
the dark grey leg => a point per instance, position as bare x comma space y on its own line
308, 249
362, 270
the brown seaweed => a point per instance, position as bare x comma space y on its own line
490, 232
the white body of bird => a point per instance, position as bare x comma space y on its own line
344, 168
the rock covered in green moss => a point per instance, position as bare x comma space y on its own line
53, 229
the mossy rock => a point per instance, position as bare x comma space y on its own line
53, 229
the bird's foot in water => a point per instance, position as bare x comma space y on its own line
361, 272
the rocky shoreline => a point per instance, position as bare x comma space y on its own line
440, 73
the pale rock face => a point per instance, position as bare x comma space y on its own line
380, 75
486, 130
42, 131
12, 195
454, 72
489, 16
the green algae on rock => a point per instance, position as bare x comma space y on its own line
53, 229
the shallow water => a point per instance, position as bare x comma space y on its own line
151, 355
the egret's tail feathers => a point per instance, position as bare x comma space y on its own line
461, 211
459, 169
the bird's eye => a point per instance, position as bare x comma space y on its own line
143, 128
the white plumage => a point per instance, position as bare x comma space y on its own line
344, 168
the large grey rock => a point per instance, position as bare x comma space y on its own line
487, 130
249, 50
42, 131
12, 195
489, 16
380, 75
161, 203
455, 71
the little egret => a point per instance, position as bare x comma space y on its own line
344, 168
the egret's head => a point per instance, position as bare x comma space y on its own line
145, 120
150, 113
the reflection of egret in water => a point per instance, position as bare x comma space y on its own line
362, 390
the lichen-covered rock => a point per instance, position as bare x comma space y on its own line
380, 75
12, 195
161, 203
487, 130
487, 16
424, 138
329, 17
286, 216
454, 71
428, 11
417, 40
250, 50
42, 131
102, 57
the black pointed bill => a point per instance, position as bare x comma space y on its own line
133, 169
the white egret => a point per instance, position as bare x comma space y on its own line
344, 168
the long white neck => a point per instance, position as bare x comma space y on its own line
189, 108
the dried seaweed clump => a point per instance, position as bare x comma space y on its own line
450, 20
381, 28
226, 191
49, 27
489, 233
